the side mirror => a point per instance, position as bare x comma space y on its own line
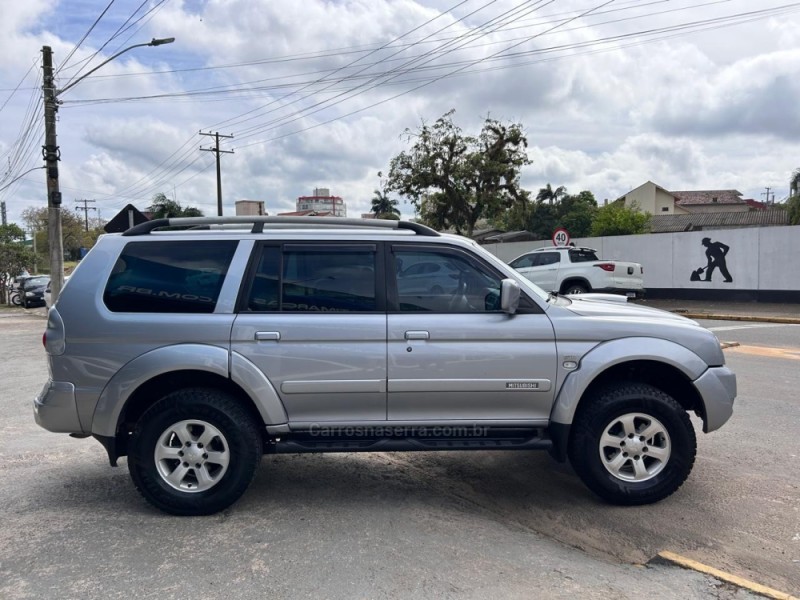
509, 296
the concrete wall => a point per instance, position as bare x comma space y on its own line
764, 262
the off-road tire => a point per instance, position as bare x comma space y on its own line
225, 414
608, 404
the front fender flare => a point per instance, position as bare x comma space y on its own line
615, 352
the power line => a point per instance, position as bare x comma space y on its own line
85, 35
392, 97
235, 120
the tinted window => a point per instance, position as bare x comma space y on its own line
171, 277
548, 258
582, 255
315, 279
456, 285
265, 291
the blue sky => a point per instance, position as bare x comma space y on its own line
605, 106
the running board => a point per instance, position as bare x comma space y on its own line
306, 445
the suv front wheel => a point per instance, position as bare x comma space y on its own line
632, 444
194, 452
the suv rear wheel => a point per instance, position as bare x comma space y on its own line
632, 444
194, 452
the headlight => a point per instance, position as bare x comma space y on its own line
29, 294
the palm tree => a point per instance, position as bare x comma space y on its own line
384, 207
794, 183
550, 194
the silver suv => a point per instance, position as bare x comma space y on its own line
194, 346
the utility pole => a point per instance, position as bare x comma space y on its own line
86, 208
3, 212
217, 151
767, 194
52, 155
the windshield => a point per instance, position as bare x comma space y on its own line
35, 282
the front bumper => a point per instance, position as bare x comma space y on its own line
717, 387
55, 409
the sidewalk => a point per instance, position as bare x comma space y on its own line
730, 311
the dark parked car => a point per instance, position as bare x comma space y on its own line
32, 291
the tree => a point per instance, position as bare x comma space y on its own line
166, 208
74, 236
15, 257
453, 179
384, 207
575, 212
618, 219
793, 203
551, 195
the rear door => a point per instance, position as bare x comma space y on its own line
453, 354
312, 318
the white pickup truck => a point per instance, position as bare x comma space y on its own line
575, 270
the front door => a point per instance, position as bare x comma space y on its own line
313, 320
453, 354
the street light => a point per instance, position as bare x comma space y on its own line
52, 154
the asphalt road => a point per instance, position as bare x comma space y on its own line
421, 525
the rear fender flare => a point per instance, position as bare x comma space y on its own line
184, 357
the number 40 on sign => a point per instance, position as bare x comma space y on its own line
561, 237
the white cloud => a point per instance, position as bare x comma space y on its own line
716, 109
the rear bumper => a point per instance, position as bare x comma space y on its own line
55, 409
717, 387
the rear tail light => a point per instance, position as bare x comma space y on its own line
44, 339
606, 266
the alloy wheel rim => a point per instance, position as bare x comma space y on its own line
635, 447
192, 456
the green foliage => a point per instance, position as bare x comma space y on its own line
384, 207
73, 233
617, 219
15, 257
552, 209
11, 233
454, 180
793, 207
551, 195
166, 208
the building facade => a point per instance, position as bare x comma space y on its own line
249, 208
653, 199
322, 202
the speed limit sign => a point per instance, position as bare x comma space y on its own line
560, 237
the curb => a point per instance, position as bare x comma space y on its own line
723, 317
670, 558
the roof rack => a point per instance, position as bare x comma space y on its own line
259, 223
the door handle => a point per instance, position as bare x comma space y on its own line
268, 336
417, 335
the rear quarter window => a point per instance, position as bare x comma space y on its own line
169, 276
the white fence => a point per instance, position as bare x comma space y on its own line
763, 262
